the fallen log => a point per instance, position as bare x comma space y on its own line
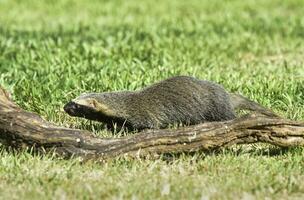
19, 128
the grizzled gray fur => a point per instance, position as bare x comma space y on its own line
177, 100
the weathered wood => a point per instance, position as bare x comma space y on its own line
19, 128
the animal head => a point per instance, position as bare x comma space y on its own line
91, 106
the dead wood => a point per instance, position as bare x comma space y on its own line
19, 128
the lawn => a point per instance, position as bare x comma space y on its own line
52, 51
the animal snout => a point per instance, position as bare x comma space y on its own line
71, 108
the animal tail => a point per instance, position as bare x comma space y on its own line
240, 102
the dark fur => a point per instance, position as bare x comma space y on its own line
178, 100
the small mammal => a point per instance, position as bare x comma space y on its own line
177, 100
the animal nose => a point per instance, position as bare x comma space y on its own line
70, 107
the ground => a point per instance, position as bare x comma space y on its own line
52, 51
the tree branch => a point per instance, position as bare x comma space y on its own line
19, 128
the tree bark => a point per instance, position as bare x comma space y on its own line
19, 128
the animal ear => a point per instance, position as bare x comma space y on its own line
94, 103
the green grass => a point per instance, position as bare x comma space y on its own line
51, 51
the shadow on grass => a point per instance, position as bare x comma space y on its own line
169, 158
265, 151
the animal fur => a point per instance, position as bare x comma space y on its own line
177, 100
